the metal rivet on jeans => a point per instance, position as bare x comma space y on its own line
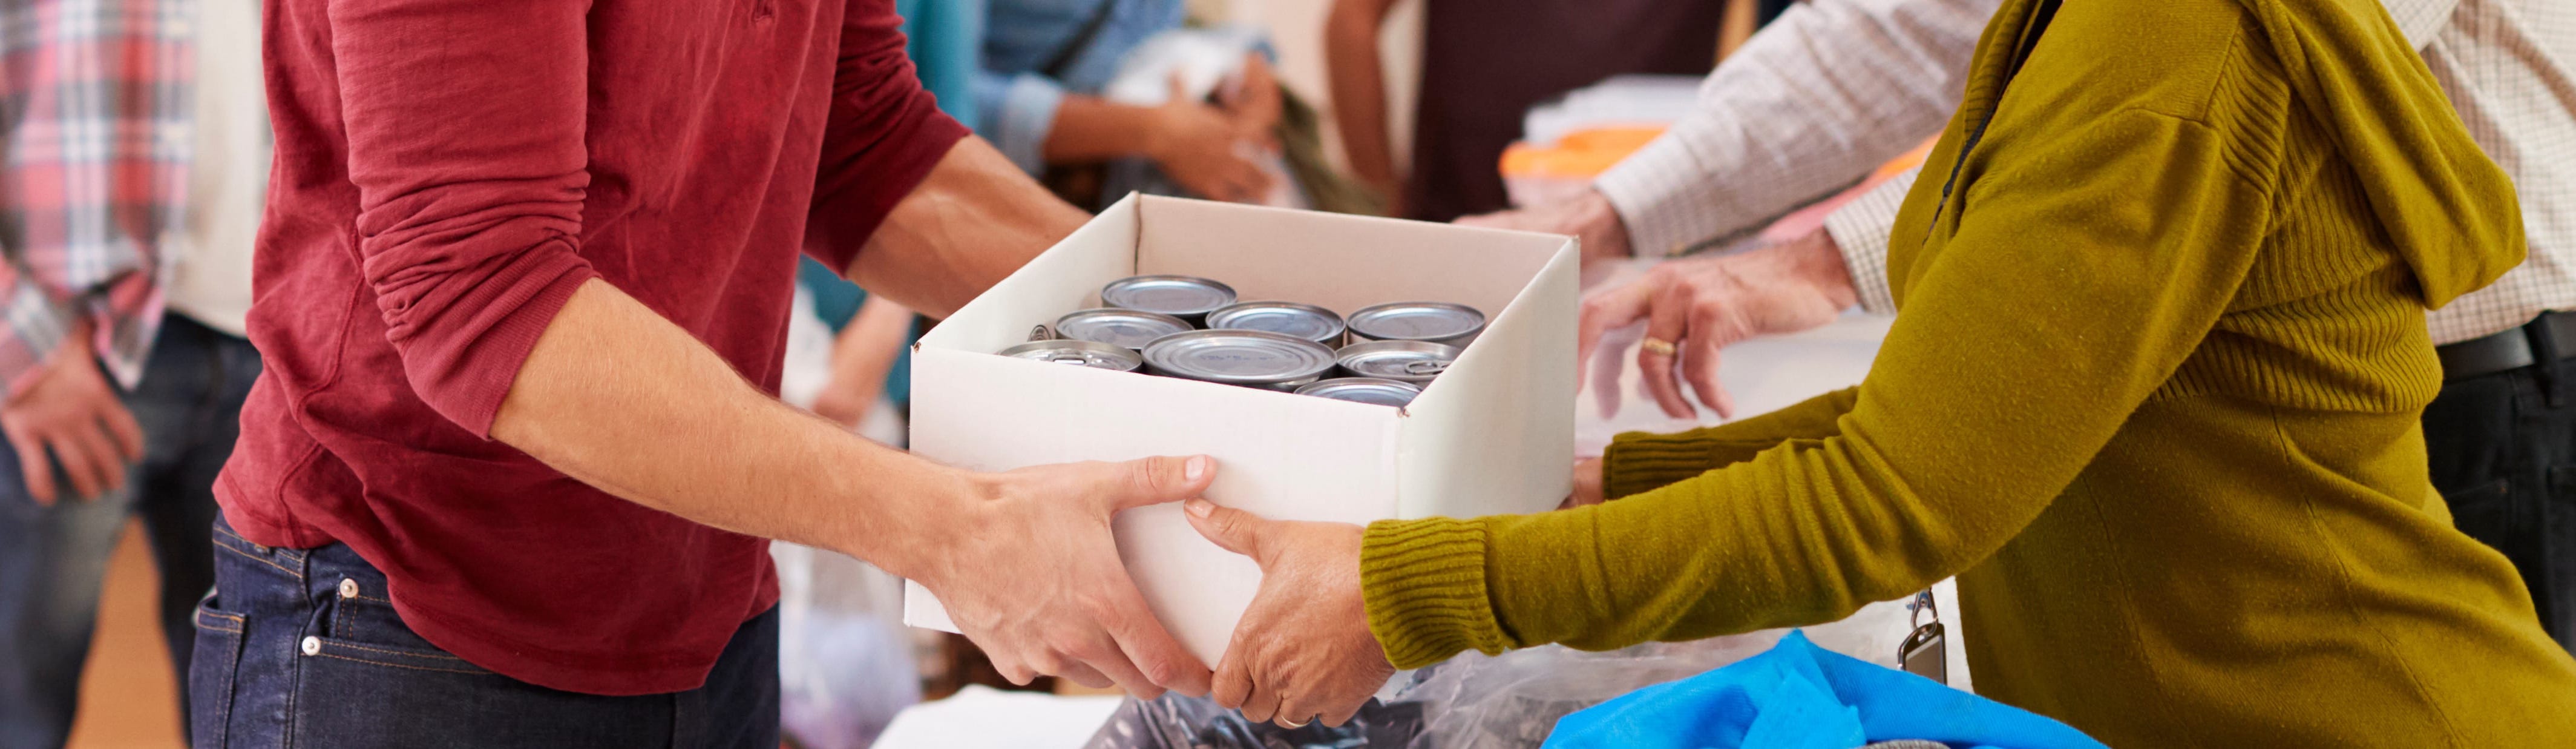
312, 646
348, 588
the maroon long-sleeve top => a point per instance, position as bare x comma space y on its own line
447, 172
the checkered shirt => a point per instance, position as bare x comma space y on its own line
93, 154
1836, 86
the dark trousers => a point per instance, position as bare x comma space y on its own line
2504, 457
301, 648
53, 558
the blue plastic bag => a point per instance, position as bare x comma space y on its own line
1799, 696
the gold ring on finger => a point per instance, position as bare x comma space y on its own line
1656, 346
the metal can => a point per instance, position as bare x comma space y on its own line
1187, 297
1250, 358
1437, 322
1091, 354
1415, 362
1285, 318
1363, 390
1127, 328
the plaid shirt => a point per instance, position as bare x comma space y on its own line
1834, 87
93, 164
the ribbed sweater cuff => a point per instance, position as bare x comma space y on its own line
1639, 462
1425, 585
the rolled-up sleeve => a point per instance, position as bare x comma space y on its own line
1827, 91
466, 143
1016, 111
885, 133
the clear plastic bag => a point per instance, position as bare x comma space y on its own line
1175, 721
845, 660
1512, 701
1473, 701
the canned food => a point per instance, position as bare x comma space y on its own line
1091, 354
1437, 322
1363, 390
1250, 358
1187, 297
1127, 328
1285, 318
1415, 362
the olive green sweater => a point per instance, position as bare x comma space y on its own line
2152, 396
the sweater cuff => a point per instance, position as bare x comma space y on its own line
1640, 462
1424, 581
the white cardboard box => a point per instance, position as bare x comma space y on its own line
1494, 434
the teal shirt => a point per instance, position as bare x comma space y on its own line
941, 38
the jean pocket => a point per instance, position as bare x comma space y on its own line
362, 627
212, 671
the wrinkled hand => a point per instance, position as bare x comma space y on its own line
1589, 218
1202, 148
1032, 575
1587, 485
1703, 304
72, 411
1303, 651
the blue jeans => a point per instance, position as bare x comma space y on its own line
52, 559
2503, 450
300, 648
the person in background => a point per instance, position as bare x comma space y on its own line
1838, 85
2153, 394
873, 335
1484, 64
128, 276
1038, 99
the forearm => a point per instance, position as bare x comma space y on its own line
868, 346
1932, 467
1824, 94
1356, 79
619, 398
1090, 129
1637, 462
970, 223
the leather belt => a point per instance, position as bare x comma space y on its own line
2511, 349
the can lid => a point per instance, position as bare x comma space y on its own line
1411, 361
1170, 295
1363, 390
1238, 357
1417, 321
1285, 318
1085, 353
1118, 327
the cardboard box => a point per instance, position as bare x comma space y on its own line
1494, 434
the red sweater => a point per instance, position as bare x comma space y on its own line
447, 172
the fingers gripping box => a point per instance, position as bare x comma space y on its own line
1494, 434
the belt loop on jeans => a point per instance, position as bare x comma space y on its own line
2541, 331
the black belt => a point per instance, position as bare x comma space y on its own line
2512, 349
